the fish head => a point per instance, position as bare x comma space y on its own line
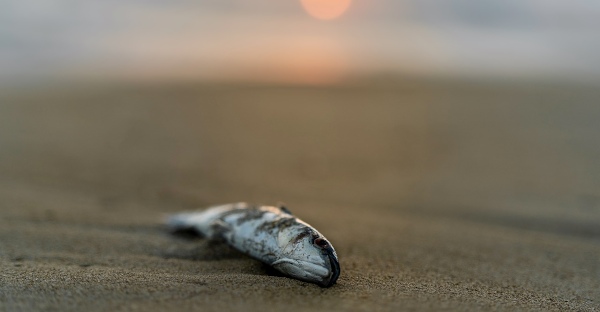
308, 256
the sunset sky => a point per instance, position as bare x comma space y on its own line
296, 41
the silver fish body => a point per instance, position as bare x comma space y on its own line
270, 234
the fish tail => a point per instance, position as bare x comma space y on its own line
180, 221
199, 221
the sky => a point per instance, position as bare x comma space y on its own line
280, 41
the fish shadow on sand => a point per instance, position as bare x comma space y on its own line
211, 250
202, 249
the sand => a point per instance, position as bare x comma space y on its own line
435, 195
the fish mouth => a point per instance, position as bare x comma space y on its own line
319, 273
335, 270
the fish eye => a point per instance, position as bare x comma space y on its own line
320, 242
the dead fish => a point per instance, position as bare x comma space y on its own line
270, 234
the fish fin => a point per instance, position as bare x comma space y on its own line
284, 208
219, 229
282, 261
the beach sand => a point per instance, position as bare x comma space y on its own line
436, 195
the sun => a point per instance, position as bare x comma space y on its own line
326, 9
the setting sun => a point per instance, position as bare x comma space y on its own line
325, 9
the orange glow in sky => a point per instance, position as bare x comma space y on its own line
302, 60
326, 9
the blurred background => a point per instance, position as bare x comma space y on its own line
299, 41
480, 109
